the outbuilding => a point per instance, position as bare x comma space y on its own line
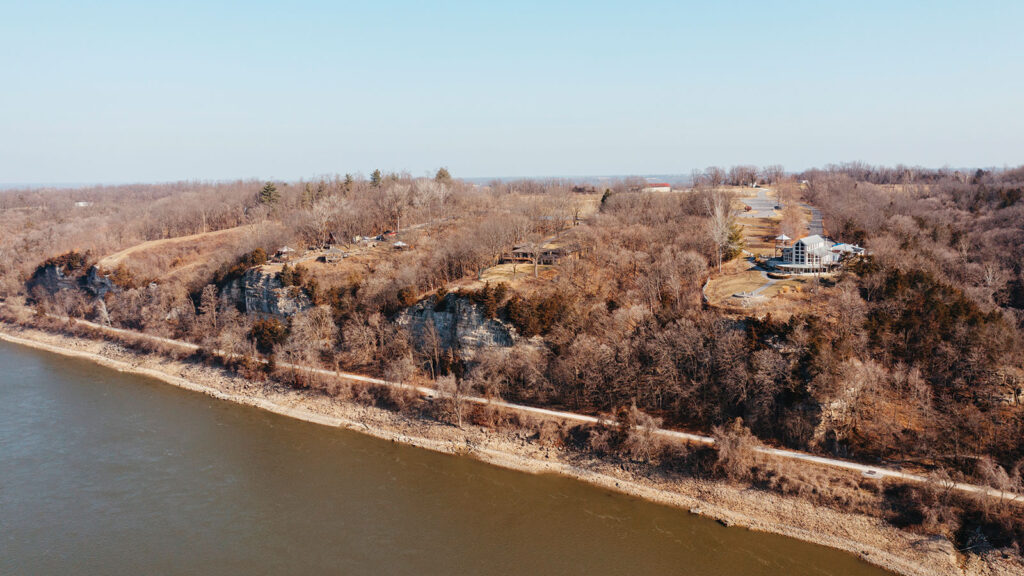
285, 253
657, 187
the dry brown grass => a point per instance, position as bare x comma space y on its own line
503, 273
363, 258
186, 256
759, 234
737, 276
192, 246
740, 192
523, 277
797, 286
781, 298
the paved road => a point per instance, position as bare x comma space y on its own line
816, 225
762, 206
768, 282
866, 470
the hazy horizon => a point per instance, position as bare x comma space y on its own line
674, 178
126, 93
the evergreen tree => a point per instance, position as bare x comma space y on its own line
489, 301
443, 175
287, 276
500, 291
308, 196
376, 178
736, 242
267, 333
269, 194
258, 257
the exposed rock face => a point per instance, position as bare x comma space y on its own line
97, 284
260, 293
53, 280
459, 324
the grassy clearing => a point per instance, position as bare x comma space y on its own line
186, 258
740, 192
737, 277
759, 235
345, 272
183, 245
503, 273
790, 286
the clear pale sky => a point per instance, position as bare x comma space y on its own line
135, 91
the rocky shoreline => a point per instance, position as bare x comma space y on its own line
868, 537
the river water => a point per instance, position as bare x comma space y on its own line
109, 473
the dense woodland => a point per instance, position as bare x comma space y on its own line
913, 355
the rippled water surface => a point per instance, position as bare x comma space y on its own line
108, 473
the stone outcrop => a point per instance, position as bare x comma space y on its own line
97, 284
458, 322
52, 279
258, 292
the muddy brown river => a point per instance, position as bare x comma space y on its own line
107, 473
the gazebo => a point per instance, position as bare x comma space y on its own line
285, 253
780, 241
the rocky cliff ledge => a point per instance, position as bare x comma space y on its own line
459, 324
52, 279
262, 293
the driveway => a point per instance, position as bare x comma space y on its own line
816, 225
764, 207
761, 205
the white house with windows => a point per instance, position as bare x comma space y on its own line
815, 254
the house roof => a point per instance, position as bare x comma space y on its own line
783, 237
810, 240
852, 248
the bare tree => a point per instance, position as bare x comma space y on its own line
743, 175
519, 229
641, 441
719, 211
736, 449
393, 202
714, 176
534, 248
453, 391
208, 308
772, 174
400, 369
430, 346
318, 220
315, 330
